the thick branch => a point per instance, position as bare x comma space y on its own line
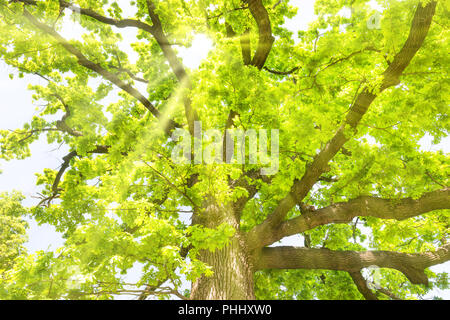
155, 30
419, 29
168, 125
175, 64
344, 212
246, 47
160, 37
117, 23
411, 265
95, 15
361, 284
61, 171
266, 39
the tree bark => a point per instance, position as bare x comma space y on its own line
412, 265
364, 206
232, 265
391, 77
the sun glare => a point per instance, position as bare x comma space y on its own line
193, 56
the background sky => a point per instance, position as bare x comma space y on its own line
17, 108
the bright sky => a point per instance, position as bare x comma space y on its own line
17, 107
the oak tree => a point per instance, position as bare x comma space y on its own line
352, 96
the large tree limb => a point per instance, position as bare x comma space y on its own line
419, 29
167, 124
365, 206
157, 32
91, 13
169, 53
412, 265
114, 22
266, 39
152, 29
265, 42
361, 285
175, 64
246, 47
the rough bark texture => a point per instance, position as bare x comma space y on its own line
300, 189
232, 267
167, 124
235, 264
412, 265
233, 274
344, 212
266, 39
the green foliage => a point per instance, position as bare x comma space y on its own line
125, 208
12, 229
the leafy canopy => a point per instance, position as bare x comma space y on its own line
120, 201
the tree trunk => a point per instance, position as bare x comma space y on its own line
232, 266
